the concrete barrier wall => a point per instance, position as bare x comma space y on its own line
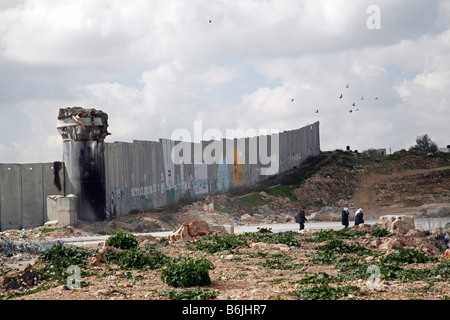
141, 175
23, 192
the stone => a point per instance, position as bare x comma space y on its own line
182, 233
198, 228
397, 223
247, 219
95, 261
390, 244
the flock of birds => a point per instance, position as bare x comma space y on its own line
342, 96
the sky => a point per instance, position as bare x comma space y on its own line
158, 66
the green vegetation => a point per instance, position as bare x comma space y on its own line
58, 258
325, 292
186, 272
408, 256
133, 259
122, 241
215, 243
190, 294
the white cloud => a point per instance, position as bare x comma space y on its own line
158, 66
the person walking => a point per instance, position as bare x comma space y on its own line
300, 218
344, 218
359, 217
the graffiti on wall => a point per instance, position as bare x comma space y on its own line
200, 178
238, 177
223, 178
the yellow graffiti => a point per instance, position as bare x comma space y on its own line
238, 177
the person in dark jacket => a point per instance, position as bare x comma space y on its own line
301, 218
359, 217
344, 219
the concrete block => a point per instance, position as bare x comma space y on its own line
224, 228
67, 218
68, 203
52, 208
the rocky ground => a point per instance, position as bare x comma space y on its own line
261, 269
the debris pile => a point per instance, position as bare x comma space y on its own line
86, 131
193, 229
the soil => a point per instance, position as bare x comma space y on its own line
389, 187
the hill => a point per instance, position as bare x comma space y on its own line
411, 182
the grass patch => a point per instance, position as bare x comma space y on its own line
190, 294
215, 243
408, 256
251, 201
325, 292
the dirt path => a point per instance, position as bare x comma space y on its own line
366, 194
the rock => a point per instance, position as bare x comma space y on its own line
16, 279
315, 216
182, 233
390, 244
262, 246
193, 229
59, 288
329, 209
95, 261
397, 223
247, 219
198, 228
443, 211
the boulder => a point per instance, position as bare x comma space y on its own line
198, 228
193, 229
397, 223
182, 233
390, 244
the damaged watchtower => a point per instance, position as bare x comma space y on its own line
83, 132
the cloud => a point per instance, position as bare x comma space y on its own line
158, 66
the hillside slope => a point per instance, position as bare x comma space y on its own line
403, 183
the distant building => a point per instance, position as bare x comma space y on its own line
446, 150
375, 153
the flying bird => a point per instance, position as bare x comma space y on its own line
351, 111
340, 96
292, 100
353, 104
347, 85
362, 98
209, 21
376, 98
317, 111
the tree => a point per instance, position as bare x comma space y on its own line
424, 143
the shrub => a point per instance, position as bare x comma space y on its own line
379, 232
186, 272
123, 241
325, 292
58, 258
133, 259
215, 243
63, 257
408, 256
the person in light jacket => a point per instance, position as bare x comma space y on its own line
359, 217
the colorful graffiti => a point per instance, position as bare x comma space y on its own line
238, 177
